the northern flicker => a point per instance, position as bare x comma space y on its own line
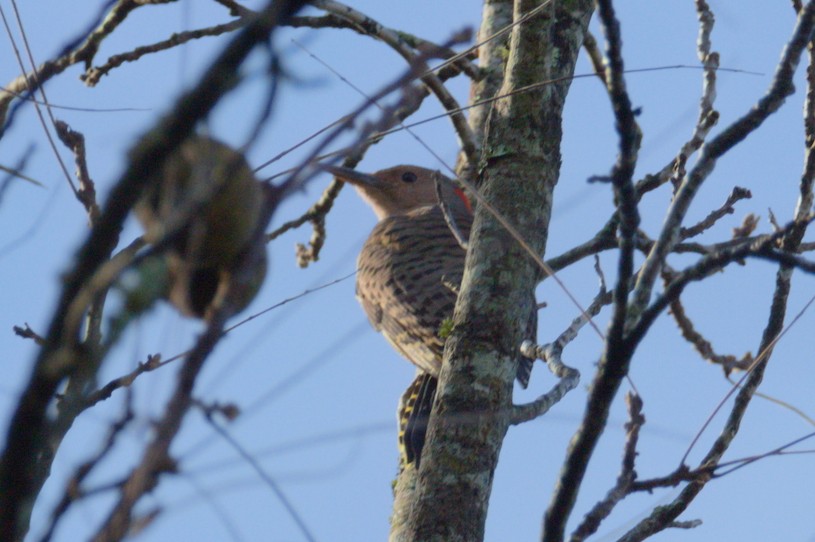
408, 275
210, 204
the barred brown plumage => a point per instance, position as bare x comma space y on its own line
408, 273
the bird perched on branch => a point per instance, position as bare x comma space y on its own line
408, 275
206, 209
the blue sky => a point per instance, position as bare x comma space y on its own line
317, 386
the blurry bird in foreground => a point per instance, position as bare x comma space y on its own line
408, 275
209, 205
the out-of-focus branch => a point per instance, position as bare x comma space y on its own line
460, 63
390, 115
156, 459
59, 356
395, 41
94, 74
83, 50
74, 490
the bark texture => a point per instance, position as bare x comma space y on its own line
447, 498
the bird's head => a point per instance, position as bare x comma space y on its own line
402, 189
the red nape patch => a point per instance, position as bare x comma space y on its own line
460, 193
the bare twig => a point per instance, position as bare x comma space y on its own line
551, 354
265, 476
455, 62
710, 220
74, 490
768, 104
596, 57
468, 143
625, 479
613, 366
59, 356
87, 191
448, 214
728, 362
83, 50
708, 116
569, 379
761, 248
152, 363
94, 74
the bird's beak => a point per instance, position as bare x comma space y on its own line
351, 175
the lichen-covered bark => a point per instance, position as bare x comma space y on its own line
495, 17
493, 38
519, 169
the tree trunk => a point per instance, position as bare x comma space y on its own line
447, 499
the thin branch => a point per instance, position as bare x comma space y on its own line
86, 193
625, 479
369, 25
265, 476
28, 333
34, 87
703, 346
596, 57
94, 74
739, 463
83, 49
152, 363
569, 379
621, 175
57, 359
74, 491
552, 355
455, 62
710, 220
761, 248
779, 90
448, 214
613, 366
708, 116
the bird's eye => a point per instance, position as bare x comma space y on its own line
409, 177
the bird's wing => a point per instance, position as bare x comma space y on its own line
408, 274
